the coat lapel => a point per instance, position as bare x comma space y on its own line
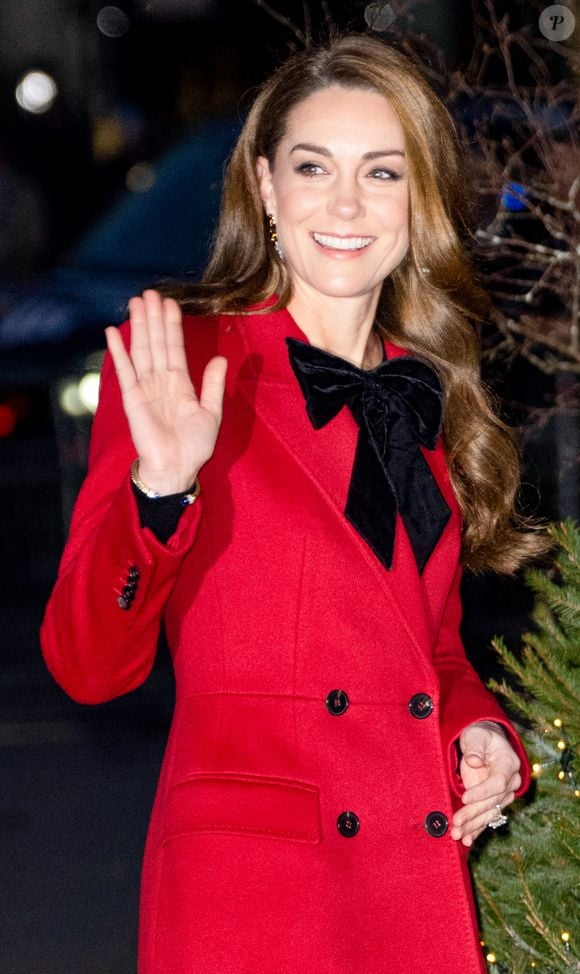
266, 379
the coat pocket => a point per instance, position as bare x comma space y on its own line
277, 808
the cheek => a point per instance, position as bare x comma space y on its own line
294, 205
396, 214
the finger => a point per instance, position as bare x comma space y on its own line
176, 358
156, 328
495, 784
464, 818
121, 360
478, 819
140, 349
481, 822
515, 782
213, 385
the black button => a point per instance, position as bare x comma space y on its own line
134, 572
129, 591
123, 603
421, 705
336, 702
348, 824
436, 824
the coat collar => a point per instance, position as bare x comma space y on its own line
263, 333
265, 377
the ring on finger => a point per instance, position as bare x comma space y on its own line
498, 819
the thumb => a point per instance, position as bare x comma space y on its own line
474, 759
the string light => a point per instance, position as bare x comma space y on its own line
491, 958
565, 761
565, 936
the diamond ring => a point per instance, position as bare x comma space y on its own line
498, 819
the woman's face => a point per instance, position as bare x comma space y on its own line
339, 193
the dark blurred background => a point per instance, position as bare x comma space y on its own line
115, 122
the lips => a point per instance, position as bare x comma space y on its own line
330, 242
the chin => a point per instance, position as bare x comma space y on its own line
344, 289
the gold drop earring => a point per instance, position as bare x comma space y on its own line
274, 236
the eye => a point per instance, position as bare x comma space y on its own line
310, 168
385, 174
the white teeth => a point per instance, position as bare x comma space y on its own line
342, 243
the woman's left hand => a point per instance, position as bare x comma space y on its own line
489, 769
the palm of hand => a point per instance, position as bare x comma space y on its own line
174, 432
168, 423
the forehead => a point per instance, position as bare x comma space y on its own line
338, 117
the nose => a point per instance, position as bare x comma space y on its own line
345, 200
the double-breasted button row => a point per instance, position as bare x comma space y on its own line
436, 824
130, 587
420, 706
336, 703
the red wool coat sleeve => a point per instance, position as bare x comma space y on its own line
461, 692
95, 649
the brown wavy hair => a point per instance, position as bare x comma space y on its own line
429, 304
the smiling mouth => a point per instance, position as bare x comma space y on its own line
342, 243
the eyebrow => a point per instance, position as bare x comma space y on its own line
321, 150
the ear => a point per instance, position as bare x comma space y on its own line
264, 175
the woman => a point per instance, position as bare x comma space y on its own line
305, 556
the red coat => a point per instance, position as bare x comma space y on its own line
272, 600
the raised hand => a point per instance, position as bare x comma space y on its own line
174, 432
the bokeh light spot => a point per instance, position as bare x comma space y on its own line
36, 92
112, 21
379, 16
140, 177
89, 391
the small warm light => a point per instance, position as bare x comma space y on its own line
112, 21
536, 768
140, 177
565, 936
558, 722
561, 745
577, 793
490, 958
36, 92
533, 964
89, 391
561, 775
108, 137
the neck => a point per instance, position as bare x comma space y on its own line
342, 326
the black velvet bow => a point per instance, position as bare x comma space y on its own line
397, 407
